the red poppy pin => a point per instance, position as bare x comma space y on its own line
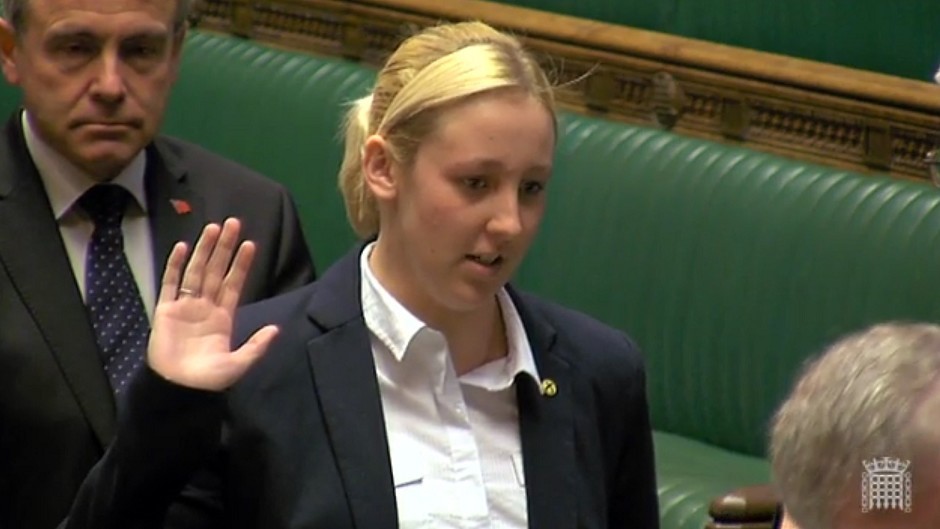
181, 206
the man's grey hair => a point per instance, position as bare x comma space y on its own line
14, 11
871, 394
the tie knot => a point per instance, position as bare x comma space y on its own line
105, 203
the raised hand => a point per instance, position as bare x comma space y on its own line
190, 343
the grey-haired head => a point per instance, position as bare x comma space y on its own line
872, 395
15, 12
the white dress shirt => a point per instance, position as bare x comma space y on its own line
65, 184
454, 441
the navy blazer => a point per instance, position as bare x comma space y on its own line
57, 410
304, 442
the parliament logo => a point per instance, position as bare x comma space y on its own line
886, 484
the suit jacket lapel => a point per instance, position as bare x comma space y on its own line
42, 276
344, 375
546, 425
176, 211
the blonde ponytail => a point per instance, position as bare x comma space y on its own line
361, 209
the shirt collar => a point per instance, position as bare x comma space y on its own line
500, 374
396, 327
393, 324
65, 183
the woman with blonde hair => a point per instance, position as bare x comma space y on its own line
410, 386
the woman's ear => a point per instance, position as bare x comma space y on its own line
377, 167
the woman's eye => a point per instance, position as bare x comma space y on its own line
474, 183
533, 188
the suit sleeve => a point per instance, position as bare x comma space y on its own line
165, 434
634, 501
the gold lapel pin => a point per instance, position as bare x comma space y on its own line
549, 387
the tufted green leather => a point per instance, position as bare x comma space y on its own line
690, 474
729, 267
278, 112
851, 33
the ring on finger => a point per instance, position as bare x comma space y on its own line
183, 291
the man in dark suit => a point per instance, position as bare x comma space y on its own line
95, 76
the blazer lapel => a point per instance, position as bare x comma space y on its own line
546, 425
344, 375
175, 210
42, 276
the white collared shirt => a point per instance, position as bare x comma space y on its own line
454, 441
65, 184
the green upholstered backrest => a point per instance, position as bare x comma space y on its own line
898, 38
278, 112
9, 98
728, 266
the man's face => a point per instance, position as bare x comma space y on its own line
95, 75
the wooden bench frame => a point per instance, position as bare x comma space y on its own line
812, 111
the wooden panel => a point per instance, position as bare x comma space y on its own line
808, 110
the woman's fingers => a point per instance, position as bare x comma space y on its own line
217, 268
172, 273
234, 281
211, 271
191, 283
245, 356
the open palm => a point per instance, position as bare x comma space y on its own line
190, 343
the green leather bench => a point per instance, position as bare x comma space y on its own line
728, 266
